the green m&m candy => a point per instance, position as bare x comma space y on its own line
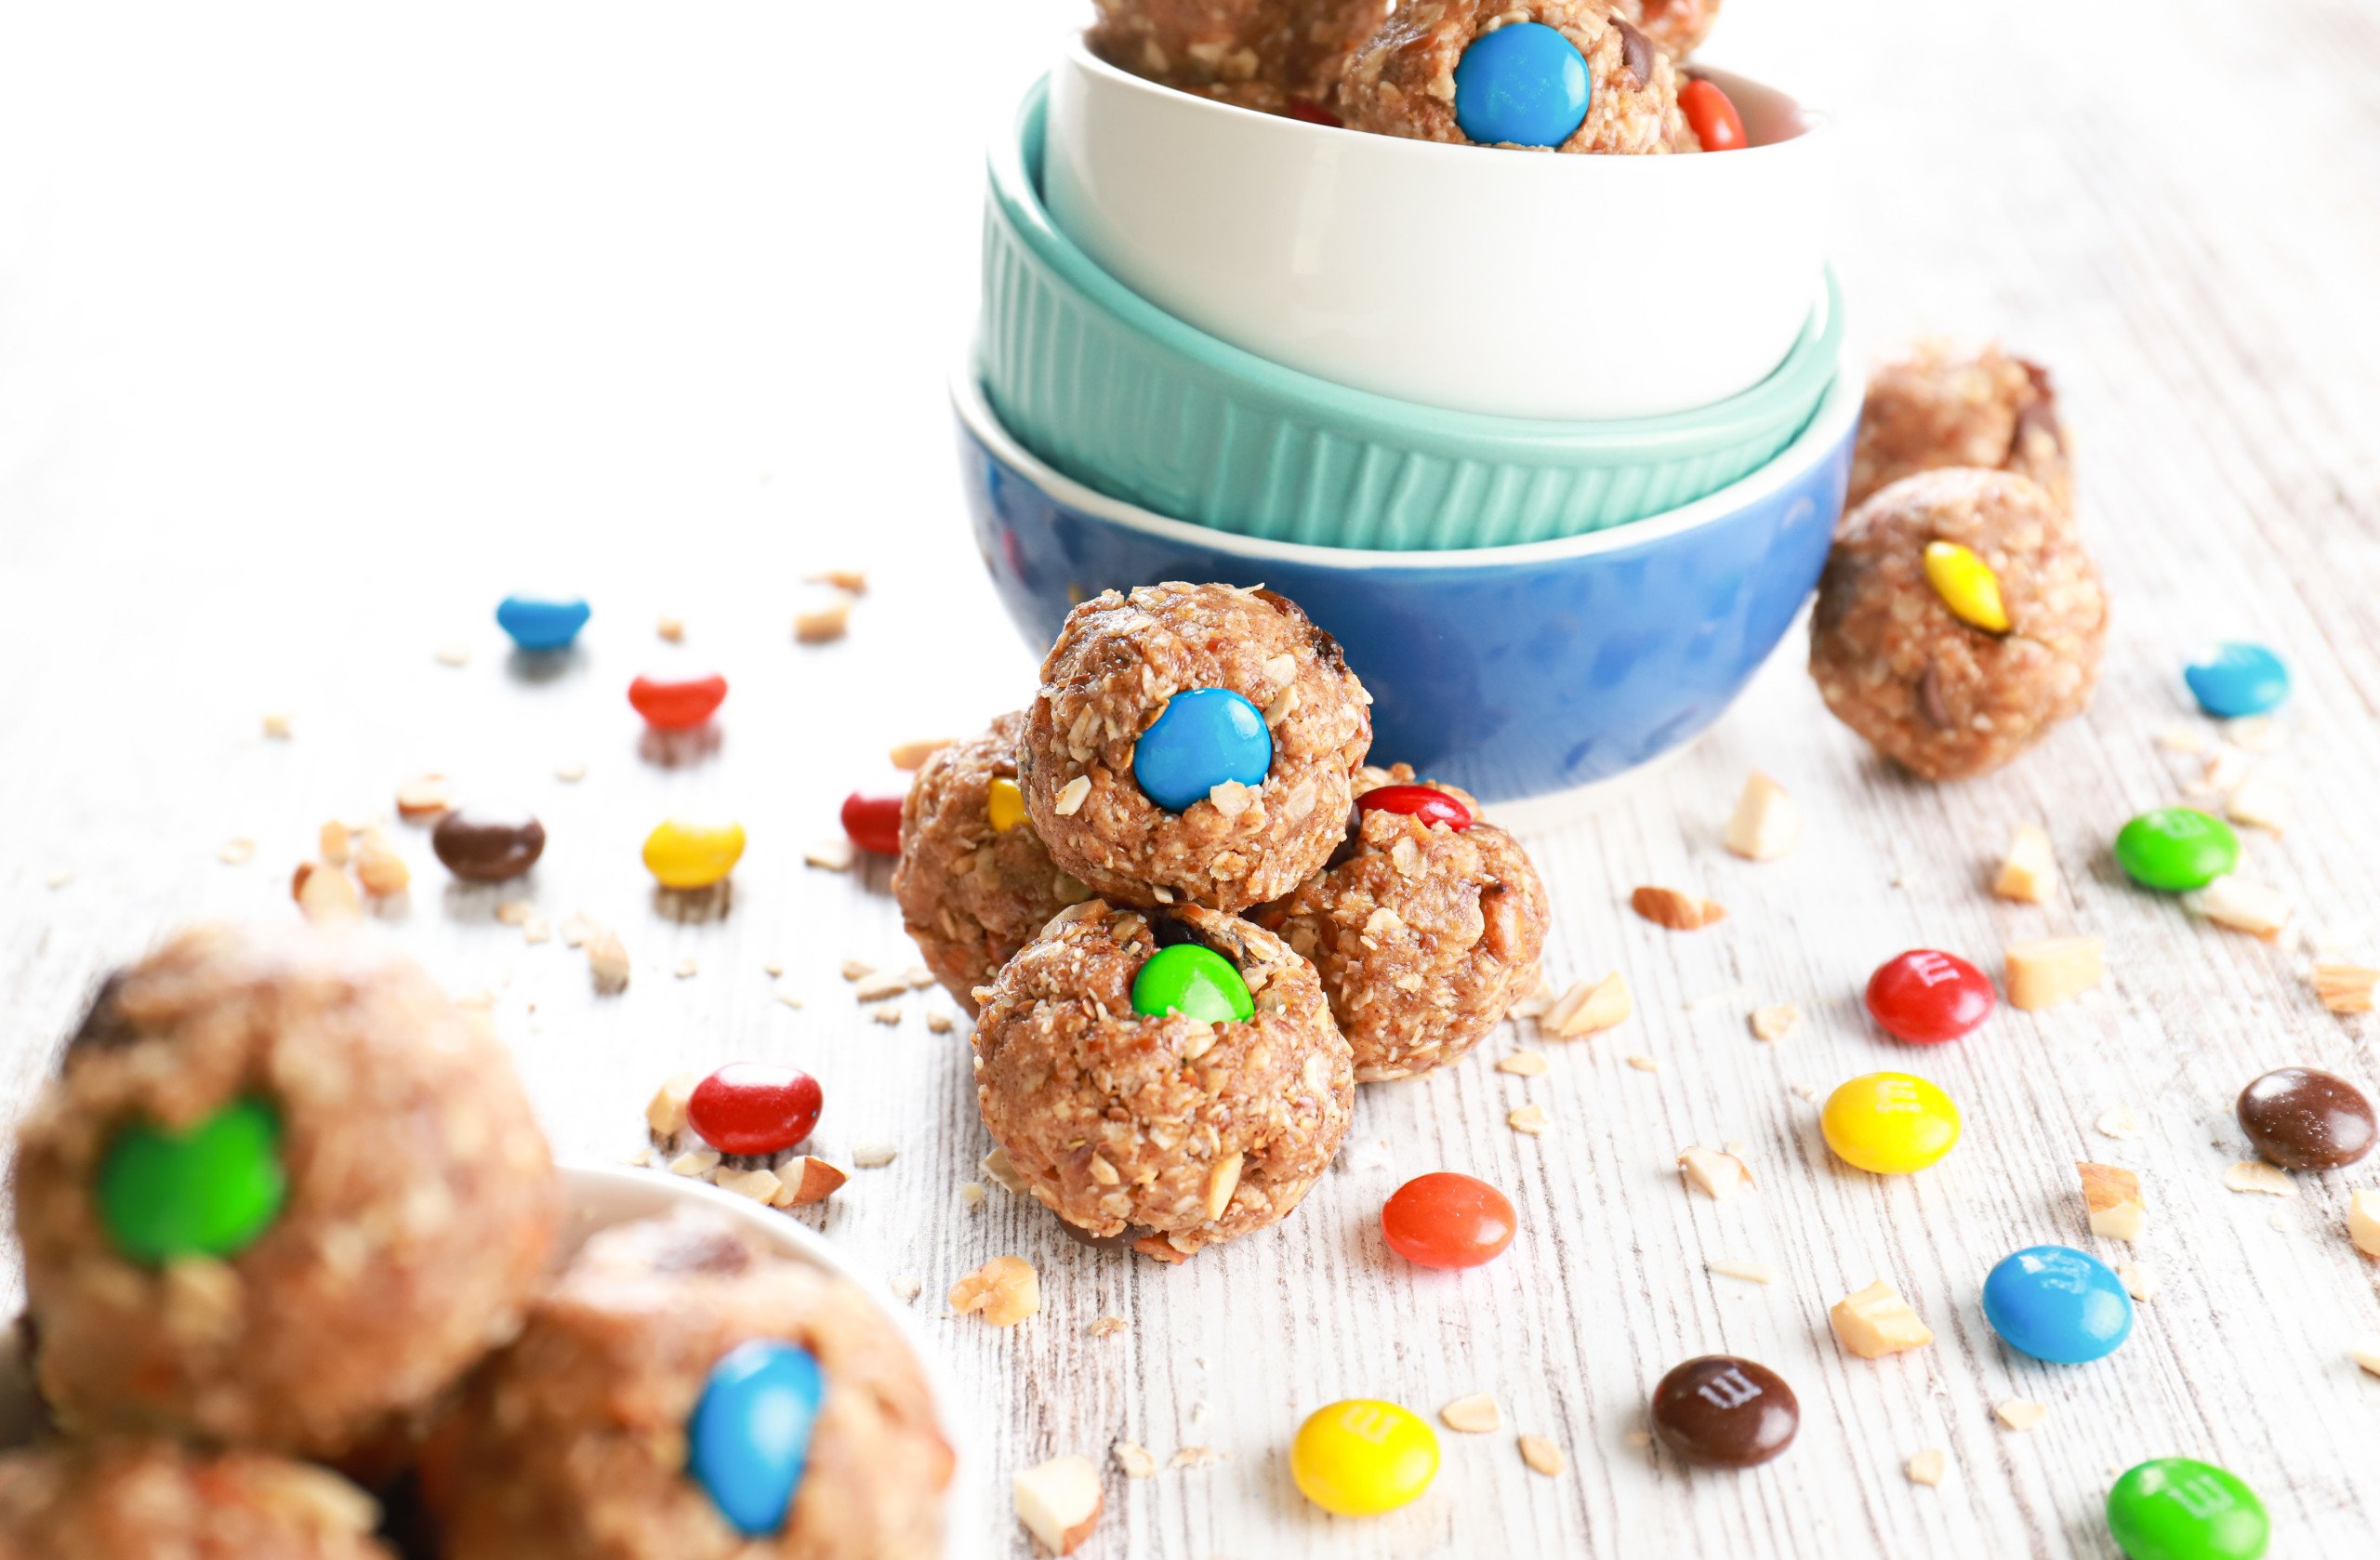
2176, 849
208, 1190
1196, 982
2175, 1508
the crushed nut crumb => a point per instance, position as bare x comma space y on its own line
823, 625
1775, 1021
1644, 1063
1927, 1466
2020, 1415
1475, 1415
236, 853
1523, 1063
425, 795
1758, 1272
1717, 1176
909, 756
1589, 1007
2112, 1198
1108, 1327
2044, 971
452, 654
570, 770
695, 1162
2029, 873
1674, 909
835, 855
2138, 1282
1766, 823
939, 1023
2256, 908
670, 628
2118, 1122
874, 1156
2347, 988
808, 1180
1529, 1118
1005, 1290
1876, 1321
1070, 796
761, 1185
1133, 1459
2255, 1175
908, 1286
1542, 1455
1195, 1457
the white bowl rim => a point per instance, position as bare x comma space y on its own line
1837, 412
1815, 122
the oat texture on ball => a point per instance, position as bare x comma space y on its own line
418, 1207
571, 1443
1179, 1131
1895, 664
1402, 82
1273, 56
1936, 404
1118, 664
1423, 934
974, 881
137, 1499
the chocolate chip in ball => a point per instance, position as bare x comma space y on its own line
1724, 1412
1120, 1241
488, 844
1930, 702
1350, 846
2303, 1119
1637, 51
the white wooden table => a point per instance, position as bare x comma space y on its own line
318, 334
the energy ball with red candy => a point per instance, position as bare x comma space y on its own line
1958, 620
609, 1429
1193, 743
975, 882
1938, 404
1275, 56
152, 1499
1182, 1130
1423, 934
1581, 78
281, 1194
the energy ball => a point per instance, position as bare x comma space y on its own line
631, 1418
152, 1499
1938, 404
1425, 927
1958, 620
1193, 743
974, 881
1275, 56
1176, 1076
281, 1193
1574, 75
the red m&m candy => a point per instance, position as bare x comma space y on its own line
1426, 802
874, 823
1445, 1220
1712, 116
677, 706
1926, 997
751, 1107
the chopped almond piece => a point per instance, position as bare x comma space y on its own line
2020, 1415
2346, 988
1876, 1321
324, 893
996, 1167
1222, 1181
1523, 1063
2255, 1175
2112, 1197
382, 870
1070, 796
424, 796
2044, 971
236, 853
1005, 1290
910, 756
2118, 1123
1775, 1021
1134, 1460
808, 1180
608, 962
1589, 1006
1529, 1118
1718, 1176
1679, 912
1475, 1415
1926, 1466
2029, 873
852, 580
875, 987
2137, 1281
2255, 908
1758, 1272
2363, 1221
695, 1163
1058, 1502
2260, 802
1767, 824
666, 1114
1644, 1063
824, 624
761, 1185
835, 855
334, 846
1542, 1455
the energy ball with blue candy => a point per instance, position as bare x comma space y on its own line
1193, 744
682, 1393
543, 622
2058, 1304
1571, 75
2237, 679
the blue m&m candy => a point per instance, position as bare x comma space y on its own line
749, 1437
1525, 85
1205, 737
2058, 1304
540, 622
2229, 680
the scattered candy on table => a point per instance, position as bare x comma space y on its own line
1890, 1123
755, 1107
1711, 115
2058, 1304
1205, 737
1362, 1457
873, 823
1003, 804
677, 706
2237, 679
1524, 84
1929, 998
1426, 802
2301, 1118
208, 1190
2177, 1507
1724, 1412
749, 1436
488, 844
1966, 585
542, 622
684, 854
1196, 982
1447, 1219
2176, 849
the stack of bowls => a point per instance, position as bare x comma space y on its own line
1554, 445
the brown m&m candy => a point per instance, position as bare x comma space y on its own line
488, 844
1724, 1412
2303, 1119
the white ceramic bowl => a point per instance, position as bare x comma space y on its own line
1520, 285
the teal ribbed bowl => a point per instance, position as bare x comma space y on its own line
1128, 399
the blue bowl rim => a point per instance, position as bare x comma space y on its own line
1837, 415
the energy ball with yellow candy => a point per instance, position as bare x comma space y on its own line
974, 883
1958, 620
1890, 1123
1362, 1457
682, 853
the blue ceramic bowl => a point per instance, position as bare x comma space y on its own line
1515, 672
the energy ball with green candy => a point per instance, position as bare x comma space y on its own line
281, 1193
152, 1500
1176, 1130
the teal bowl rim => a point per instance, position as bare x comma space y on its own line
1298, 397
1836, 417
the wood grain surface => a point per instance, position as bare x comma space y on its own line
320, 333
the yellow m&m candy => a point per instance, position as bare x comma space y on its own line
691, 855
1361, 1457
1890, 1123
1966, 585
1006, 805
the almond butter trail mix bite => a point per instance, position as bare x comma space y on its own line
1936, 404
281, 1193
153, 1500
1193, 744
1273, 56
1175, 1078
